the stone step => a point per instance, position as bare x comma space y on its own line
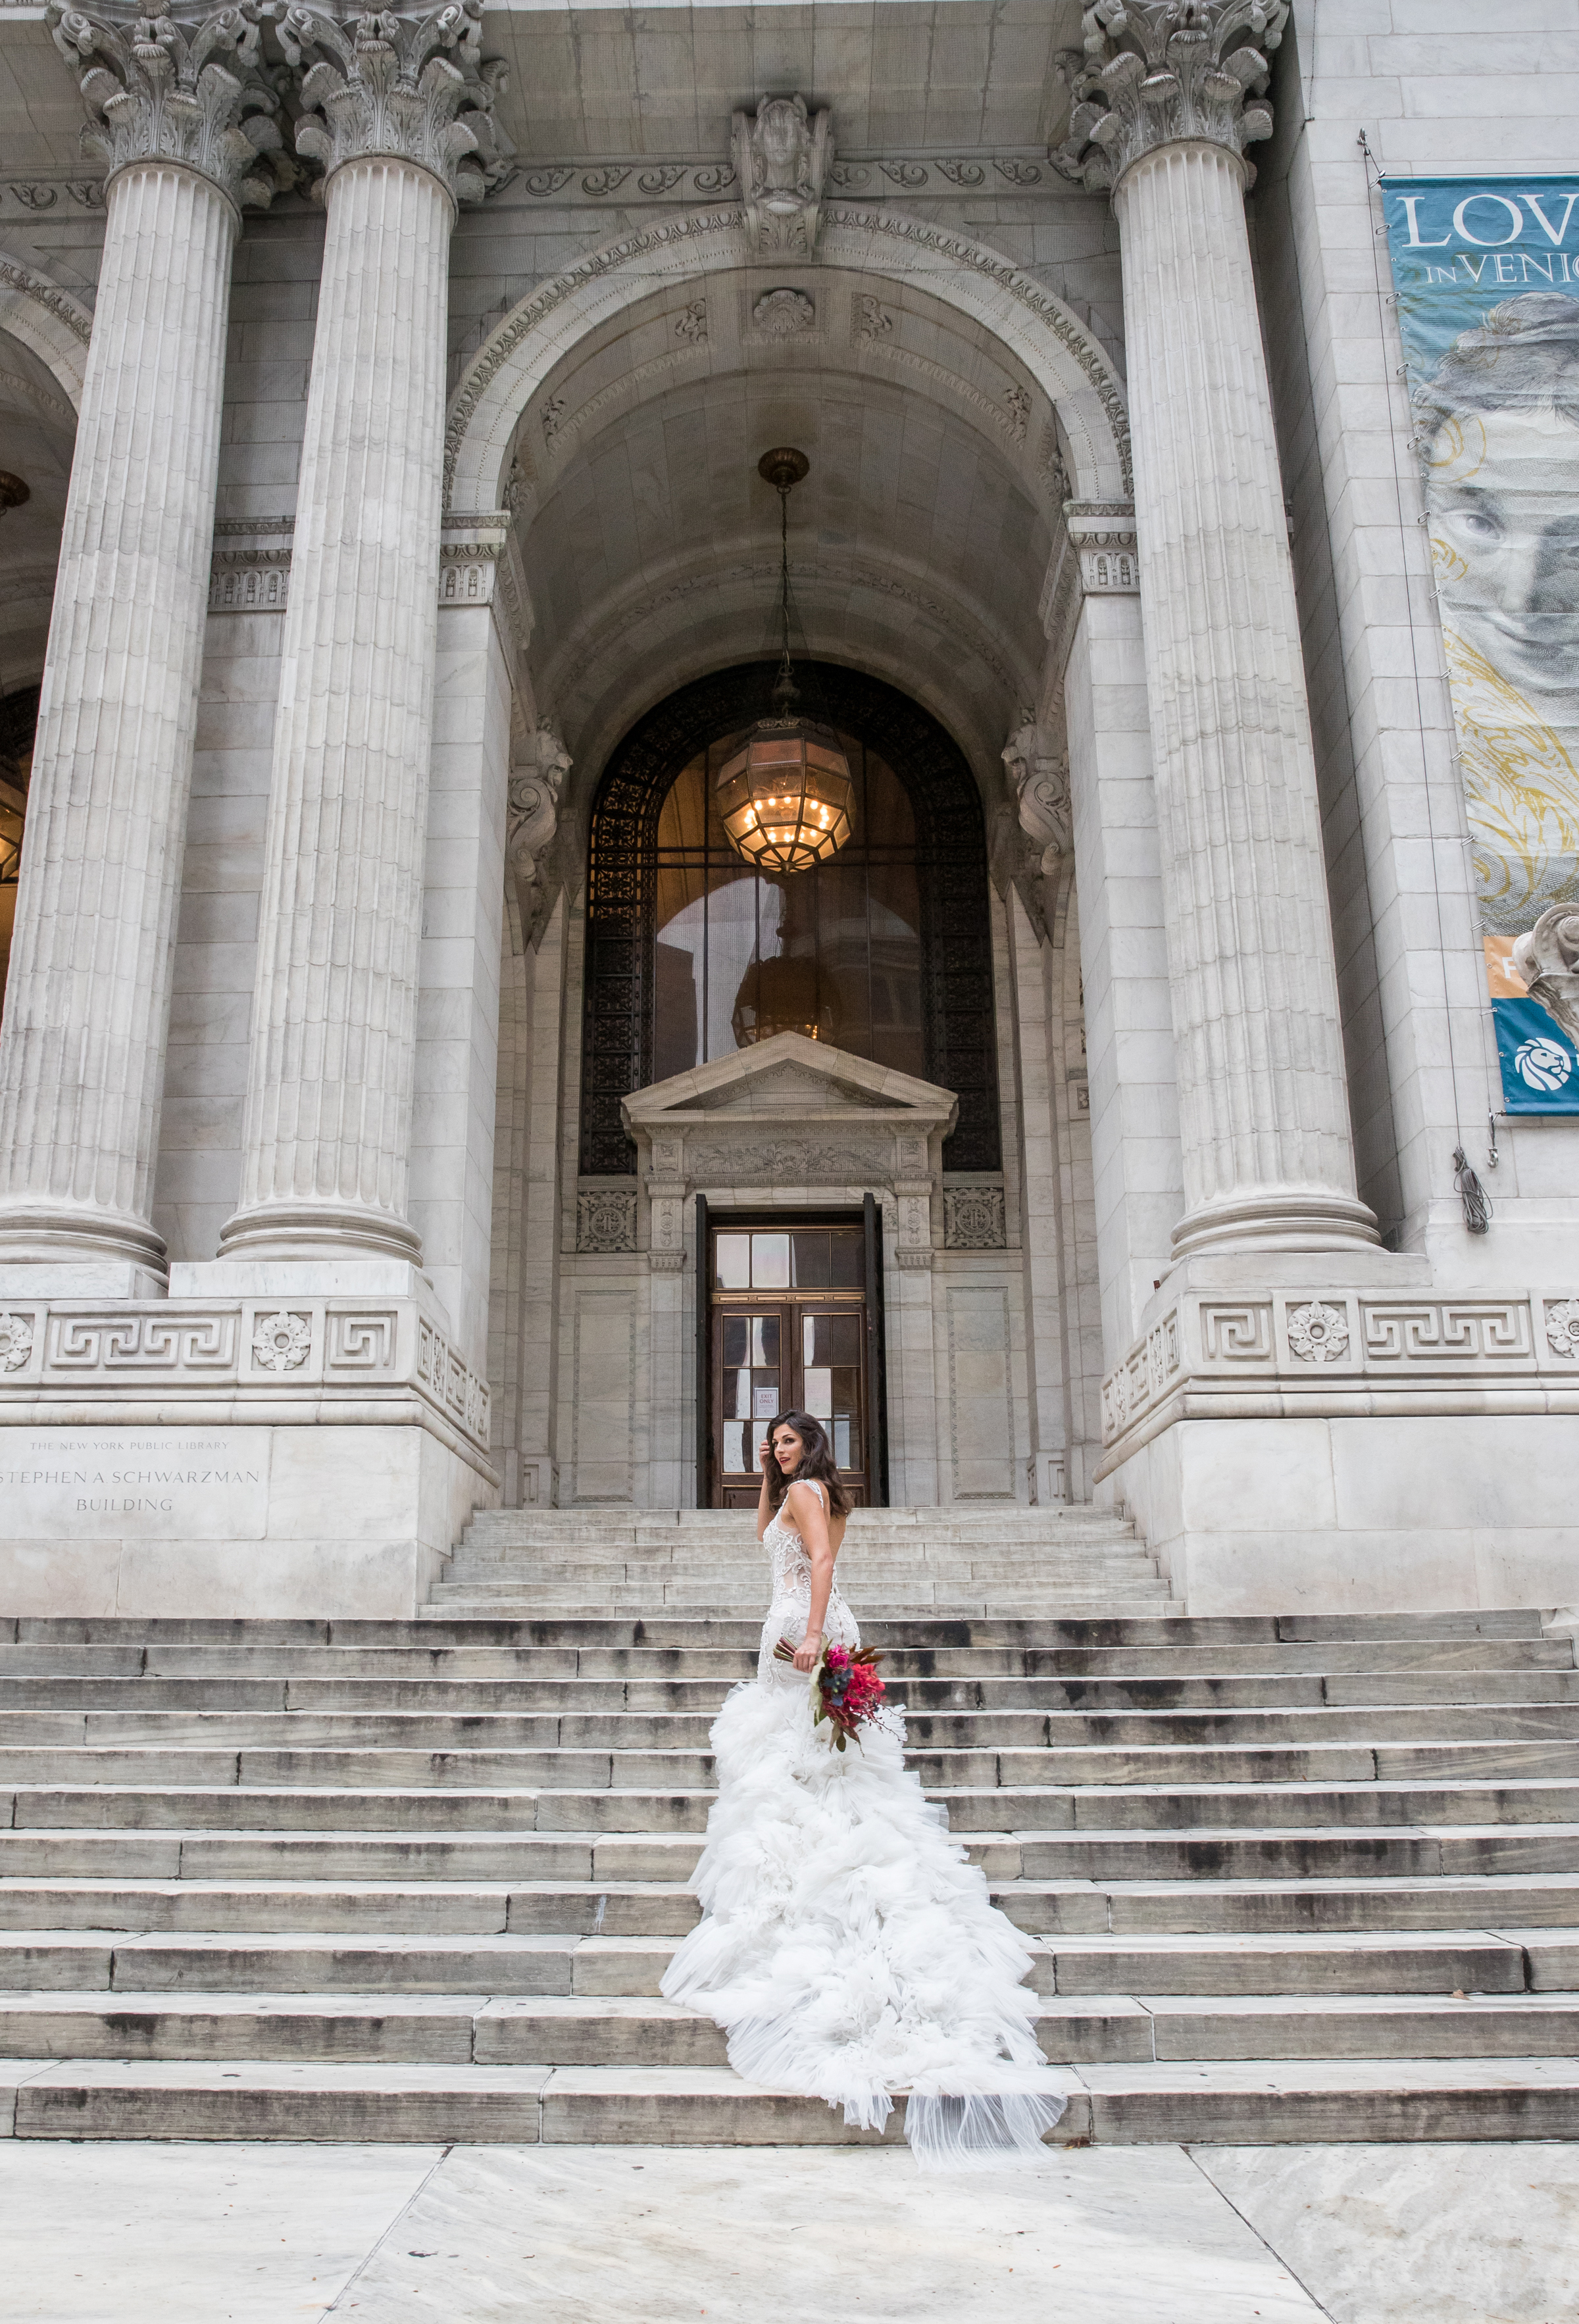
551, 2030
1223, 2101
1435, 1961
1254, 1632
607, 1903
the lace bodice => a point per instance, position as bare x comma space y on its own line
790, 1569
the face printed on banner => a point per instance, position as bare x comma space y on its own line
1503, 494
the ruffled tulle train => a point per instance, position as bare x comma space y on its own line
848, 1947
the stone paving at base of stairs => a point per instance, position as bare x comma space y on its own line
146, 2233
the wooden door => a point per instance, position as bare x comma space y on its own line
787, 1329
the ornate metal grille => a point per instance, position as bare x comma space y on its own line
951, 862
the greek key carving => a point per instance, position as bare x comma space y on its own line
361, 1342
143, 1343
1454, 1332
1238, 1334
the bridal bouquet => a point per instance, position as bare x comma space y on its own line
845, 1689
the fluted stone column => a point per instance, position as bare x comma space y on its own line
398, 117
180, 114
1161, 117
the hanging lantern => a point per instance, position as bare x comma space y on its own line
786, 797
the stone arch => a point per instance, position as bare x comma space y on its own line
978, 282
48, 322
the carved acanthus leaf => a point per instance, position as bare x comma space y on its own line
782, 156
536, 783
1039, 776
1154, 72
418, 88
156, 90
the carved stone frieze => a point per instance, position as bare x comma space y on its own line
1157, 72
198, 94
781, 155
1278, 1353
240, 1358
415, 87
605, 1219
249, 581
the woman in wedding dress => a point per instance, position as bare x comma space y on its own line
847, 1946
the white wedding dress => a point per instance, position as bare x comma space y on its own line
847, 1946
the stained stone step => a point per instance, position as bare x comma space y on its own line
1221, 2101
1436, 1961
616, 2031
572, 1631
1287, 1907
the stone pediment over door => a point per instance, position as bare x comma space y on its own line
797, 1118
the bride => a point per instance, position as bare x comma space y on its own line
847, 1947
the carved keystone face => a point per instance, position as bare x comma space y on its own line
782, 139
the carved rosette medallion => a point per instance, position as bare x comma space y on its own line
419, 89
1562, 1327
280, 1342
156, 90
15, 1341
1162, 72
1317, 1333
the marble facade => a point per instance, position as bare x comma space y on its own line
390, 390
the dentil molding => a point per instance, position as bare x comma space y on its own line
1161, 72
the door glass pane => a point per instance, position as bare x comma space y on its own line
759, 1438
769, 1262
736, 1339
819, 1392
737, 1395
831, 1339
731, 1262
764, 1341
810, 1255
764, 1405
848, 1271
734, 1459
842, 1444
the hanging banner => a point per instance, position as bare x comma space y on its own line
1487, 274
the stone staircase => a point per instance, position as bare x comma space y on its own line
1296, 1880
1060, 1562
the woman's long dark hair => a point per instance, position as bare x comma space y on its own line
817, 1463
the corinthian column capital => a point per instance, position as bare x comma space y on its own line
160, 91
1163, 72
415, 88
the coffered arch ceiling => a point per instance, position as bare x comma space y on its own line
919, 542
